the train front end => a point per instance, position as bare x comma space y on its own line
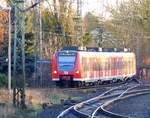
65, 67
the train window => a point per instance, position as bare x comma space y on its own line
86, 66
125, 64
103, 65
115, 65
66, 62
99, 66
121, 64
118, 65
130, 64
112, 65
106, 65
109, 65
95, 66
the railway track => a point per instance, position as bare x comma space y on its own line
96, 107
131, 92
97, 87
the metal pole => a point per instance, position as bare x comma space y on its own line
23, 44
23, 58
9, 54
15, 54
15, 39
41, 47
40, 32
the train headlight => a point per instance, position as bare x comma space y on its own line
77, 72
55, 71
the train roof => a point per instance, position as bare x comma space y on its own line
99, 54
106, 54
95, 49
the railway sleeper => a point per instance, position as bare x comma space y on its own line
79, 114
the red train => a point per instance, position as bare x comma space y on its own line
81, 67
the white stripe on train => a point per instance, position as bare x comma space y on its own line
99, 78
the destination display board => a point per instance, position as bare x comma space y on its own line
66, 54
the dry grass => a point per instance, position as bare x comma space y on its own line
40, 96
87, 90
6, 108
6, 111
35, 98
5, 96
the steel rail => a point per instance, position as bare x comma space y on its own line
97, 87
110, 101
67, 110
106, 94
128, 94
76, 107
115, 115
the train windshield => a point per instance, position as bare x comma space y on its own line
66, 62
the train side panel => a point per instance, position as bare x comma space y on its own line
96, 66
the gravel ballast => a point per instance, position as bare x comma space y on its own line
135, 107
55, 110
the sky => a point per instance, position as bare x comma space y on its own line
2, 2
97, 7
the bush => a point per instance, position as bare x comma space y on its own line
3, 80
